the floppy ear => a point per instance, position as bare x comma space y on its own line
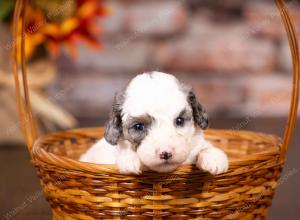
199, 114
113, 128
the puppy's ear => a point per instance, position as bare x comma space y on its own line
113, 128
199, 114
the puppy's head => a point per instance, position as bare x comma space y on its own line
158, 115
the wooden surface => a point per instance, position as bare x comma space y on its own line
21, 196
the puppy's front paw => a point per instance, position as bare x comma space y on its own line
212, 160
130, 164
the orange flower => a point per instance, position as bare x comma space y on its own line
42, 27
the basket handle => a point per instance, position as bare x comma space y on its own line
25, 112
294, 48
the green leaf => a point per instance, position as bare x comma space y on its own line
6, 8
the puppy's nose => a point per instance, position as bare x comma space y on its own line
165, 155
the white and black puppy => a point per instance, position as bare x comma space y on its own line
156, 124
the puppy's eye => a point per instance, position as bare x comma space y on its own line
139, 127
179, 121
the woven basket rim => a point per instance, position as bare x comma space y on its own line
40, 155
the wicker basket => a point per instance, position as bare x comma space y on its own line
86, 191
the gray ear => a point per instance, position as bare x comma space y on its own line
113, 128
199, 114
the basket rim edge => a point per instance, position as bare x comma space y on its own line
40, 154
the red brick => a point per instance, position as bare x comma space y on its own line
156, 18
88, 95
117, 56
215, 47
264, 20
114, 23
285, 60
267, 95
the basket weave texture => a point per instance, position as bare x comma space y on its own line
77, 190
86, 191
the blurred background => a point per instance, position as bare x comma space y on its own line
80, 52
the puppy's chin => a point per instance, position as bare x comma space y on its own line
164, 167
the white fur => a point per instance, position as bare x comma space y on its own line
159, 95
101, 152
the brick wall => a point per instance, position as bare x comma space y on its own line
233, 52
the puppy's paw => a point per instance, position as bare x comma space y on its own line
212, 160
130, 164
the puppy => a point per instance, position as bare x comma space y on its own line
156, 124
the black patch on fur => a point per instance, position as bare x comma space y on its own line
199, 114
113, 128
136, 137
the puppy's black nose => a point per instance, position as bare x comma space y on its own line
165, 155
